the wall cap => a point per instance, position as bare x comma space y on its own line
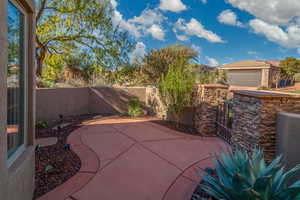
266, 94
214, 86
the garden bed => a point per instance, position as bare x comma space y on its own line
178, 127
57, 163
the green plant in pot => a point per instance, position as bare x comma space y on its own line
243, 177
135, 108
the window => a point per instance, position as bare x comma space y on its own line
16, 79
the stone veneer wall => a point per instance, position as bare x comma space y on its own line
208, 98
202, 114
255, 115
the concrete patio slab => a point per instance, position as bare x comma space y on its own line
198, 167
136, 175
107, 145
182, 189
98, 129
144, 132
89, 159
71, 186
182, 152
138, 161
75, 138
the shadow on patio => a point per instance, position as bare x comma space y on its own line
136, 159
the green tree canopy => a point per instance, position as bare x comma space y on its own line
290, 67
69, 26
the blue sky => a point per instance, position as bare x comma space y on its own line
221, 31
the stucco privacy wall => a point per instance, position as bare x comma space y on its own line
50, 103
17, 180
255, 119
288, 139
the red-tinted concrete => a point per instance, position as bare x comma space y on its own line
181, 189
139, 160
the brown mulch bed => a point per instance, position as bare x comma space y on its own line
178, 127
57, 163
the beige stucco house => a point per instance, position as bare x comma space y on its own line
17, 96
253, 73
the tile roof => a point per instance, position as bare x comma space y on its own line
252, 63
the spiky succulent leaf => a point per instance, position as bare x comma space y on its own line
244, 177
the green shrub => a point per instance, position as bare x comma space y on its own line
176, 87
134, 108
240, 176
41, 124
42, 83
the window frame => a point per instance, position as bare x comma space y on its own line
21, 148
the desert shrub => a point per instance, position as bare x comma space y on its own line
210, 75
176, 87
240, 176
156, 63
42, 83
134, 108
41, 124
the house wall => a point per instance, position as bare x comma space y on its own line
17, 180
265, 78
288, 139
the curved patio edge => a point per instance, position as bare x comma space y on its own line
186, 182
90, 165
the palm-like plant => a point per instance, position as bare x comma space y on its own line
240, 176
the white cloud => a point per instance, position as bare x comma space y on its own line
138, 53
157, 32
288, 37
118, 20
212, 61
195, 28
271, 11
196, 48
149, 22
148, 17
230, 18
182, 37
277, 20
172, 5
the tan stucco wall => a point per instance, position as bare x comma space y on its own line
265, 78
50, 103
17, 180
3, 61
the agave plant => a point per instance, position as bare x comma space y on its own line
244, 177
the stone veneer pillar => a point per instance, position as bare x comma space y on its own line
255, 116
208, 98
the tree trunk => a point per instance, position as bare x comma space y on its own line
40, 60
